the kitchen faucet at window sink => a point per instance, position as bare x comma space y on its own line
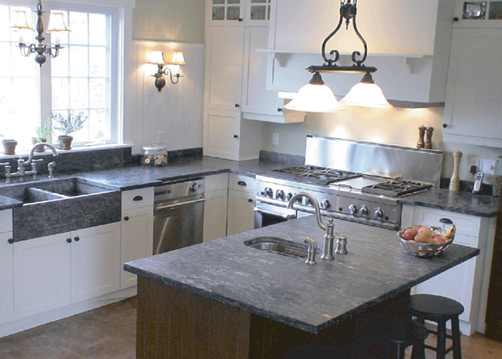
21, 163
329, 236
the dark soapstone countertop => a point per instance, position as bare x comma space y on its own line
460, 202
285, 289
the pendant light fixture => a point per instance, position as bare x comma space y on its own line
366, 93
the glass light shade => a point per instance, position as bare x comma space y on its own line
57, 23
155, 57
177, 58
314, 98
366, 95
21, 20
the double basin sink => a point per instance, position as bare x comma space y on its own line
60, 205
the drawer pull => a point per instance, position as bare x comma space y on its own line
10, 240
137, 198
242, 183
126, 218
76, 239
250, 200
68, 240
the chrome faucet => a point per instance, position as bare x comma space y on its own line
329, 236
311, 251
21, 172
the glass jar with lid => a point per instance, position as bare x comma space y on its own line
155, 156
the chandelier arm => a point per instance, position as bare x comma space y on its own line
355, 54
53, 51
325, 42
168, 71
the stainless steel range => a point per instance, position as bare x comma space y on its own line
352, 180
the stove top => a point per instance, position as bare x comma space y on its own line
313, 174
395, 188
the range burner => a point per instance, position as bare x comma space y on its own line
396, 188
313, 174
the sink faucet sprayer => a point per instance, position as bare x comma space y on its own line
329, 228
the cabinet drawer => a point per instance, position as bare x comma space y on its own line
242, 183
217, 182
466, 225
6, 221
137, 198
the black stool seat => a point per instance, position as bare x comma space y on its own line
439, 309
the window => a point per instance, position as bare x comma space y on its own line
80, 79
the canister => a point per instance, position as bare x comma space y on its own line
155, 156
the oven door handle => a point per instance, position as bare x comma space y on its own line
181, 204
282, 215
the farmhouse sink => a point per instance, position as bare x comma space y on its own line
280, 246
34, 195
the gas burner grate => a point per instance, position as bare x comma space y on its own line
396, 188
313, 174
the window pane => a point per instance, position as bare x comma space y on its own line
79, 94
79, 28
79, 56
97, 29
59, 65
97, 92
98, 61
60, 94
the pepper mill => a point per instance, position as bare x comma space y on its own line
454, 181
428, 137
421, 133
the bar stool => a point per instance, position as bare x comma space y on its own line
439, 309
392, 337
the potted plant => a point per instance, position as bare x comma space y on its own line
44, 133
70, 123
9, 146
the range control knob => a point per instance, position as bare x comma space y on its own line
193, 187
325, 204
363, 210
378, 212
279, 194
352, 209
268, 192
289, 196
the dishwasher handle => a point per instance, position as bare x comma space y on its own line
174, 205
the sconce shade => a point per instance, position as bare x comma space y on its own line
366, 94
314, 97
57, 23
155, 57
21, 21
177, 58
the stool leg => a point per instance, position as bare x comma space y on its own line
400, 351
455, 333
418, 351
441, 340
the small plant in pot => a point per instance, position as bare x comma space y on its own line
44, 134
70, 123
9, 146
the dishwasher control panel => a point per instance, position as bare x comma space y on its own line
177, 190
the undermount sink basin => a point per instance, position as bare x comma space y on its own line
280, 246
71, 187
35, 195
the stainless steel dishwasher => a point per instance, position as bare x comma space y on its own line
178, 215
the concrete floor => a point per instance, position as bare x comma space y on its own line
104, 333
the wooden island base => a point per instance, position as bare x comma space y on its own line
173, 323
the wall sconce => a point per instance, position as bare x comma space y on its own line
366, 93
56, 25
172, 68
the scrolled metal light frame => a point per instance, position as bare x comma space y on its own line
160, 81
348, 12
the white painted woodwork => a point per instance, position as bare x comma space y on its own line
137, 198
42, 274
473, 23
473, 110
468, 282
7, 274
241, 202
6, 221
242, 183
216, 182
215, 215
136, 230
245, 13
95, 261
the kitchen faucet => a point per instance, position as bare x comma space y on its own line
21, 172
329, 236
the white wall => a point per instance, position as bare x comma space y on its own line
395, 126
173, 116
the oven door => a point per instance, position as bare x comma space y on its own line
268, 214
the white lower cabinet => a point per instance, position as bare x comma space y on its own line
215, 215
466, 283
6, 278
54, 271
241, 202
136, 229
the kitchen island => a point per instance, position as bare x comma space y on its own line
226, 300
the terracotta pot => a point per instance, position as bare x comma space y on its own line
65, 142
35, 140
9, 147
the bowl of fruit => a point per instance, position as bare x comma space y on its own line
427, 241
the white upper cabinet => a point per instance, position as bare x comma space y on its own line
238, 12
473, 111
478, 14
408, 41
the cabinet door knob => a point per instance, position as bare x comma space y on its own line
76, 239
445, 125
137, 198
250, 200
240, 19
237, 105
68, 240
236, 136
10, 240
126, 218
242, 183
280, 109
456, 19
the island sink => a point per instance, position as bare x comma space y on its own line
280, 246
